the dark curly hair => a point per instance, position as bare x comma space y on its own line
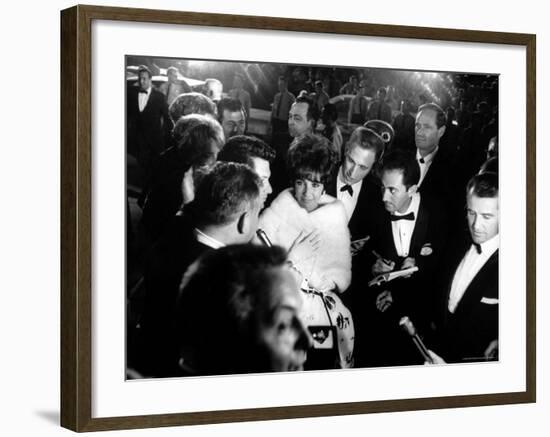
191, 103
243, 148
309, 157
405, 162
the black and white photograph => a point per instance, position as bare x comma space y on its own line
297, 217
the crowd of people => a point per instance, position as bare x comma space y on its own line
311, 248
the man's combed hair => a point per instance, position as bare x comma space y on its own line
309, 156
440, 116
243, 148
172, 68
224, 193
229, 104
312, 110
403, 162
367, 139
144, 69
191, 103
219, 296
195, 134
483, 185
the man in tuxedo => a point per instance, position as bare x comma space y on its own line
353, 185
224, 211
409, 232
148, 124
468, 316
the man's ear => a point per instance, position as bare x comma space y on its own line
412, 189
243, 223
441, 131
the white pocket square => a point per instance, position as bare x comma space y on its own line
489, 300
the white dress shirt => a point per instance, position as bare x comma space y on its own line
468, 268
349, 201
402, 230
425, 166
143, 98
207, 240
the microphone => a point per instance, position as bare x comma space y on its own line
263, 237
408, 327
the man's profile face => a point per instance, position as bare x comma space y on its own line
358, 162
482, 213
395, 195
282, 334
233, 123
144, 80
298, 124
263, 170
426, 132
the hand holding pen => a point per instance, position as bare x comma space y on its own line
381, 265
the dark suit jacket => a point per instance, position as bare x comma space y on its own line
147, 131
164, 197
379, 339
369, 204
165, 266
438, 180
411, 295
466, 334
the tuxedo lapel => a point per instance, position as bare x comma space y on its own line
331, 188
388, 237
474, 292
419, 236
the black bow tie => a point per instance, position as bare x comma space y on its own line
142, 92
478, 247
348, 189
409, 216
421, 160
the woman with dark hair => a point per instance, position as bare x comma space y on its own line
306, 209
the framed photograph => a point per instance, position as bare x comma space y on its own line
118, 63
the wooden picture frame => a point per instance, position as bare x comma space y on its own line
76, 217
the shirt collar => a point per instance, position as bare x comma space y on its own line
207, 240
490, 246
413, 206
429, 157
